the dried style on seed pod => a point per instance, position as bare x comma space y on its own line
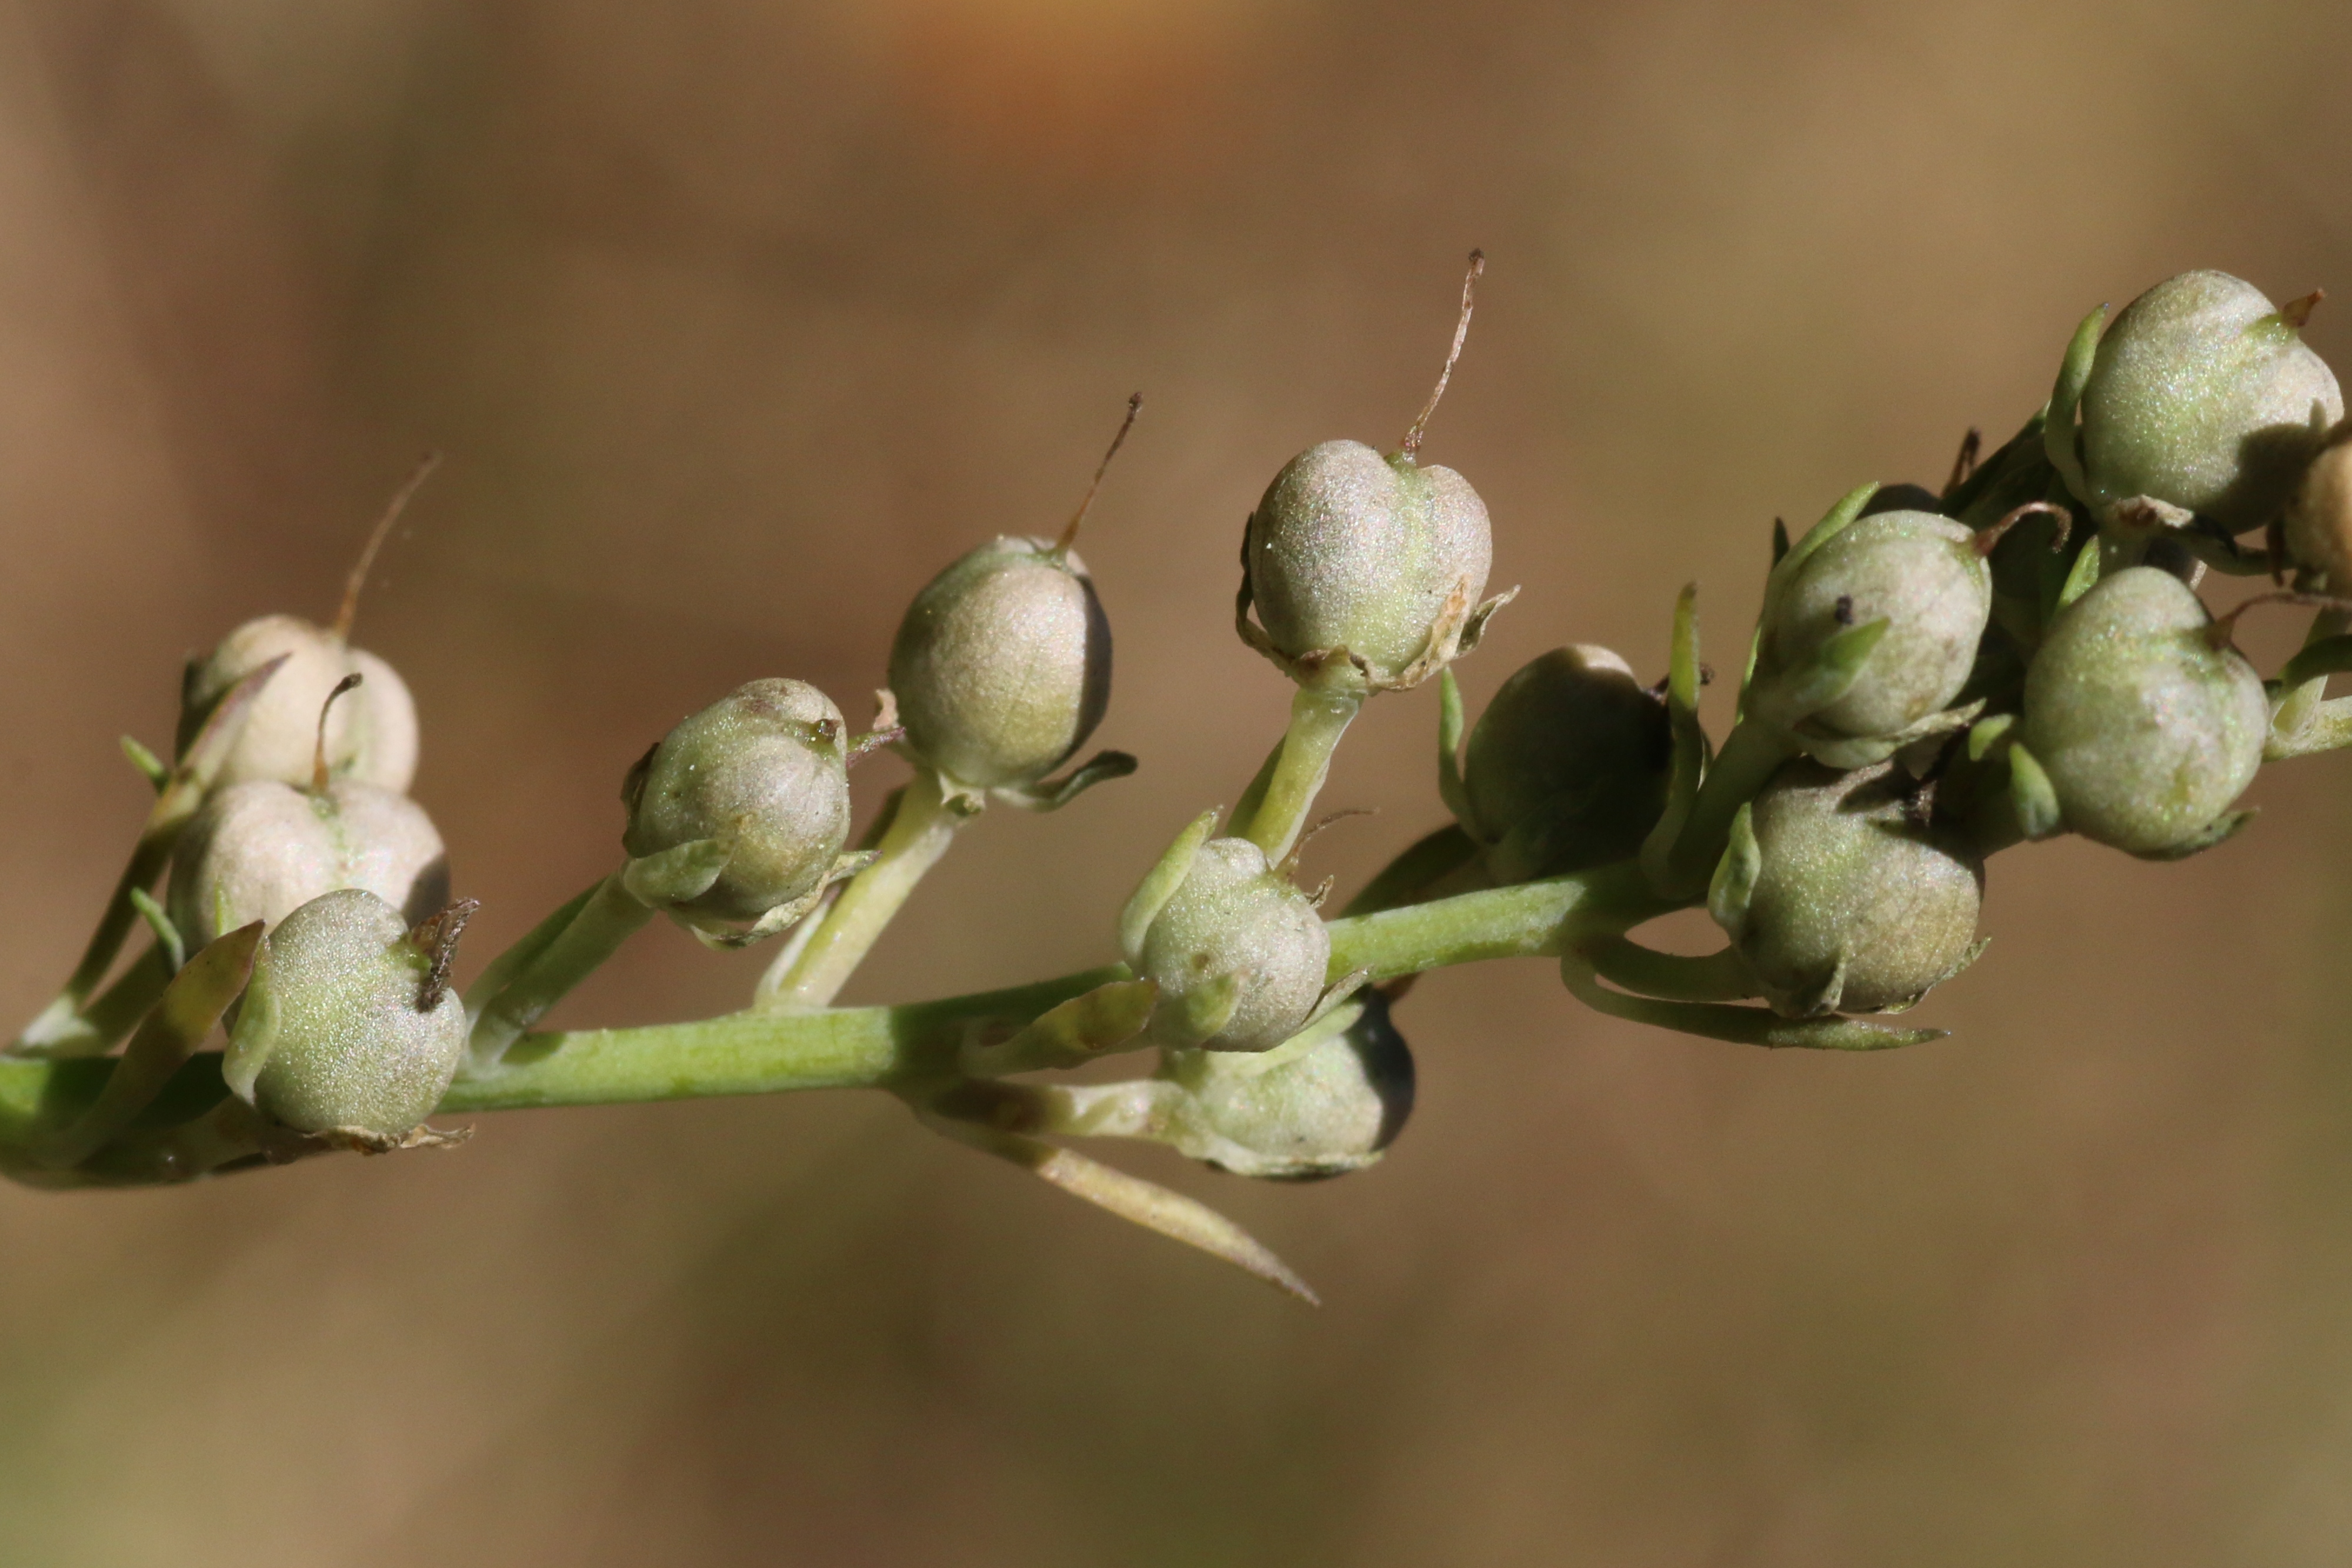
763, 774
2203, 396
2147, 729
1843, 896
348, 1026
371, 736
1567, 766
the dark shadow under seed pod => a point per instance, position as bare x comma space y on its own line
763, 772
1567, 766
1851, 902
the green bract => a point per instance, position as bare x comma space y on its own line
259, 850
1918, 572
1323, 1104
1567, 768
1238, 953
2146, 730
371, 731
345, 1026
764, 772
2203, 395
1849, 902
1002, 667
1377, 558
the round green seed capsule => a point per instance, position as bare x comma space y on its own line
1567, 768
1859, 906
1236, 932
370, 732
344, 1028
259, 850
1321, 1105
1002, 667
1919, 572
2147, 731
764, 770
2203, 395
1350, 550
2319, 520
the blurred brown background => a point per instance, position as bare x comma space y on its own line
738, 318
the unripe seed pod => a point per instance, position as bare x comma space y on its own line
764, 770
1321, 1105
259, 850
2203, 395
1568, 764
370, 732
1352, 550
2147, 731
2319, 520
1919, 572
1002, 667
1234, 922
1858, 905
345, 1025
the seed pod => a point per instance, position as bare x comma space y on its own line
370, 732
346, 1027
1917, 572
2319, 520
1002, 667
2203, 395
259, 850
1321, 1105
2146, 730
1850, 901
1237, 952
1378, 557
1567, 766
764, 771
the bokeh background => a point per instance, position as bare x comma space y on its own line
737, 319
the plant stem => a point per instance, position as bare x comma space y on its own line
602, 920
1751, 754
920, 830
1319, 717
1527, 921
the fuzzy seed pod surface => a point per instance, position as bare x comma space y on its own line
2202, 394
764, 770
1352, 550
1321, 1105
1002, 667
2319, 520
2146, 730
259, 850
1236, 917
332, 1035
1850, 878
1567, 765
1920, 574
372, 733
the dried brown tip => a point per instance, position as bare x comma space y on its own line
319, 773
1989, 537
2225, 625
350, 612
2295, 312
1965, 462
1461, 330
436, 935
1070, 530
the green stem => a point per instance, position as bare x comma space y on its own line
920, 830
1411, 874
1317, 718
1671, 976
1751, 754
1527, 921
601, 919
